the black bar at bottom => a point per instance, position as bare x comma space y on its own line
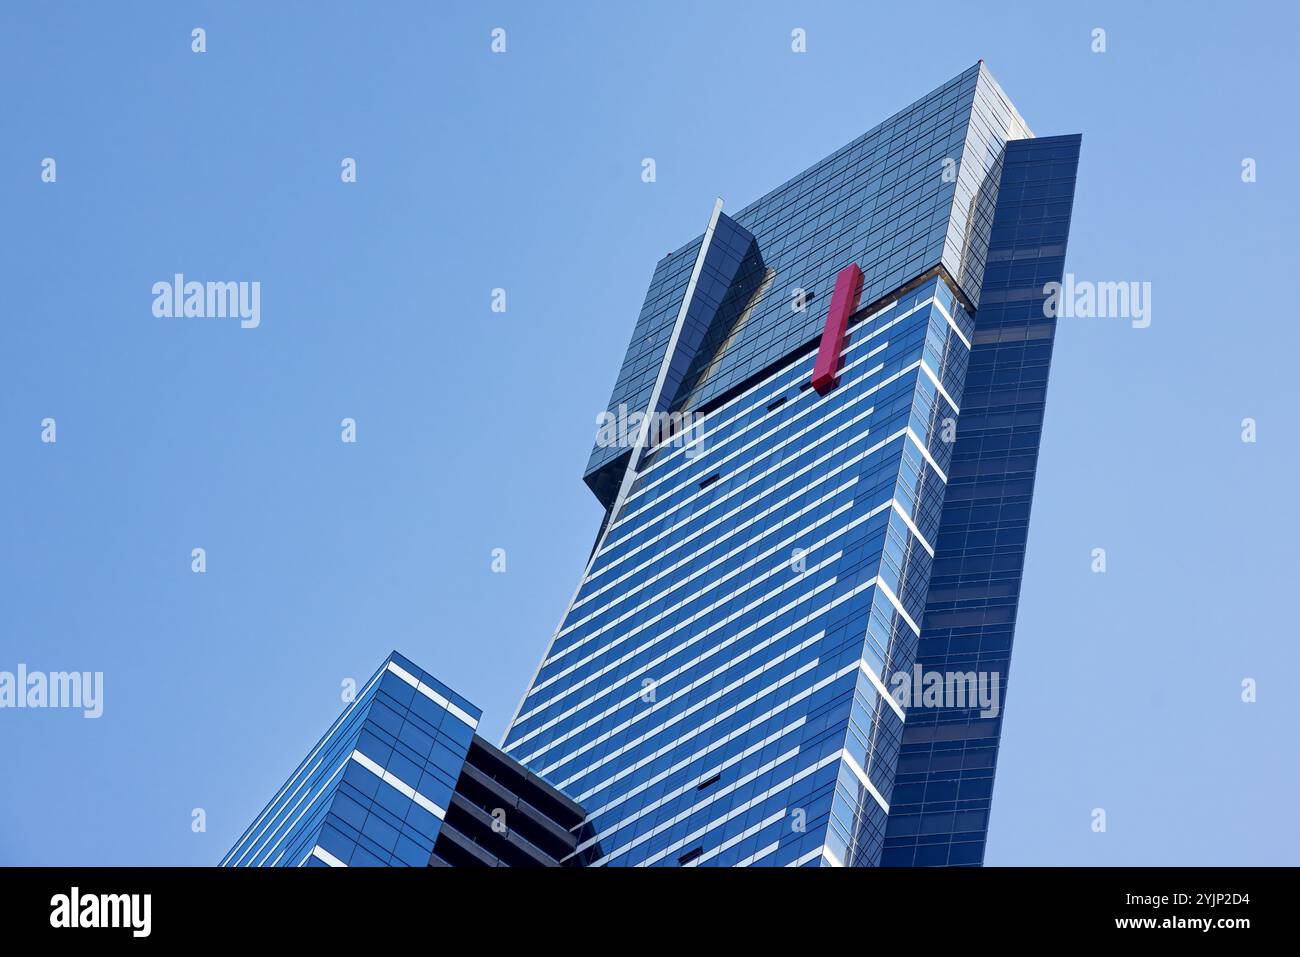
600, 907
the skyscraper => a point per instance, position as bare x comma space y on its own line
816, 464
944, 782
376, 788
401, 779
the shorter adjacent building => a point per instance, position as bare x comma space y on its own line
401, 779
503, 815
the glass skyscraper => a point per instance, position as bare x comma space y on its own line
817, 466
828, 422
375, 789
402, 780
944, 781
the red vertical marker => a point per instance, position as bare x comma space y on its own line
848, 287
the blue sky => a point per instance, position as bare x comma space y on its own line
522, 171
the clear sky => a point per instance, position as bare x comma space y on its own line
523, 171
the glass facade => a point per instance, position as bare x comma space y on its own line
720, 669
723, 689
375, 789
402, 780
718, 692
945, 775
882, 201
503, 815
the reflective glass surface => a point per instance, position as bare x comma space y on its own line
945, 776
712, 696
374, 790
911, 193
718, 692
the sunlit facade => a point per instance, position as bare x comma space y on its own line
718, 692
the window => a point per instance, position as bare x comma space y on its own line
691, 855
